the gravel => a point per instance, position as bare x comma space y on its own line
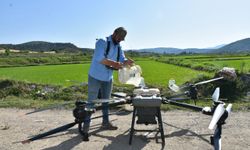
184, 130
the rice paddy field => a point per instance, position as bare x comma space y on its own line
236, 62
155, 73
211, 63
239, 64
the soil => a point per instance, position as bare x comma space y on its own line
184, 130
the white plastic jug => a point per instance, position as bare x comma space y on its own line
131, 75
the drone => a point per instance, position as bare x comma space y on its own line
146, 104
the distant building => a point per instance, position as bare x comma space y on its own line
11, 50
50, 52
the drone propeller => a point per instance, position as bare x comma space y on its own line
229, 108
219, 111
59, 129
119, 96
216, 116
173, 86
50, 107
207, 81
216, 94
64, 127
176, 88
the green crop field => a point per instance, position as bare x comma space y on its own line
238, 64
159, 73
211, 63
155, 73
51, 74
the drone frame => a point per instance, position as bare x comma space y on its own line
80, 112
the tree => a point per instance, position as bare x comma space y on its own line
7, 52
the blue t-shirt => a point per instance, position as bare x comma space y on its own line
97, 69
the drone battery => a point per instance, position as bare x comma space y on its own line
146, 108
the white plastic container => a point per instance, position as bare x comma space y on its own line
131, 75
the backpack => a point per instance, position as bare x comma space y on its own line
107, 52
108, 49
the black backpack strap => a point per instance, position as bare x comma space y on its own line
107, 49
118, 55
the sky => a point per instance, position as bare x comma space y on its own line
150, 23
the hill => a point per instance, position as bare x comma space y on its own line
41, 46
161, 50
240, 46
167, 50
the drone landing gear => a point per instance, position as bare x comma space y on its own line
146, 122
216, 139
85, 135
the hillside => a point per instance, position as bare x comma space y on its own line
41, 46
235, 47
241, 46
166, 50
161, 50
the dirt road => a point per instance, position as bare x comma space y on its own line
183, 130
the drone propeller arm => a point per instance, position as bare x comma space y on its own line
59, 129
177, 95
193, 107
115, 103
179, 99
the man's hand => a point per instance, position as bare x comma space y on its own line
128, 62
117, 65
112, 64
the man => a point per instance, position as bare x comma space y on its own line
107, 57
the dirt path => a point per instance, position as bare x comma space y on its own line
184, 130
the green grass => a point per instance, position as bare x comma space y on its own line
155, 73
18, 102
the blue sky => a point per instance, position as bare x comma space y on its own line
150, 23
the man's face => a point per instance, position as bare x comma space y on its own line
117, 38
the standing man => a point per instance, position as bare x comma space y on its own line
108, 56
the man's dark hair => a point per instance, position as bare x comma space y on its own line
120, 31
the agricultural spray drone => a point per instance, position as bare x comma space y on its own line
146, 104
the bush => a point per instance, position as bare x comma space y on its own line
231, 90
41, 92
